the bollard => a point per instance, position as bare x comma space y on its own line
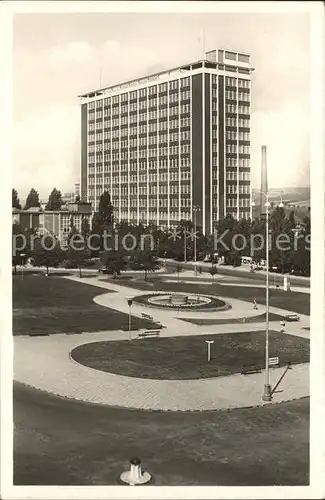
135, 476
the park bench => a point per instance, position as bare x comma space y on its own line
38, 334
147, 316
149, 334
133, 328
248, 369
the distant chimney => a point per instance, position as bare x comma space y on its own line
264, 184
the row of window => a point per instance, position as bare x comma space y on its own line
151, 164
163, 217
243, 202
142, 153
143, 92
240, 189
173, 113
163, 87
142, 202
232, 175
240, 96
241, 176
232, 82
241, 149
232, 162
97, 128
117, 155
163, 163
242, 122
135, 130
184, 135
232, 108
233, 135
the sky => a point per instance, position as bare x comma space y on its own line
57, 57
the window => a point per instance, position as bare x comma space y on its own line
152, 90
173, 85
163, 87
231, 55
243, 58
230, 82
185, 82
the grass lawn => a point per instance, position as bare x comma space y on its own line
292, 301
186, 357
223, 321
57, 305
59, 442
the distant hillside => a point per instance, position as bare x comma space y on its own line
299, 196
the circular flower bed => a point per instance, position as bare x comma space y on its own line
181, 301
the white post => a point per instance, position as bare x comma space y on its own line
22, 267
209, 342
129, 322
129, 300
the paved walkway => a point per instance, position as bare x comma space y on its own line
188, 277
244, 269
45, 363
55, 372
171, 319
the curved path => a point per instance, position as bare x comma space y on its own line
171, 319
57, 373
45, 363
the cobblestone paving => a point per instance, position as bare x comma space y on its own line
45, 363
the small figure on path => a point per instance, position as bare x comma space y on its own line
282, 323
254, 304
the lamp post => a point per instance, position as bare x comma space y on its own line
196, 208
130, 300
185, 256
267, 393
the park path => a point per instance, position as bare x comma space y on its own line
189, 277
45, 363
172, 319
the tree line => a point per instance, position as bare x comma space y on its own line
178, 243
54, 202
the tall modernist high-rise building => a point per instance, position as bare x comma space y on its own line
170, 142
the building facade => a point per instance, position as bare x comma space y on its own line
172, 142
56, 222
